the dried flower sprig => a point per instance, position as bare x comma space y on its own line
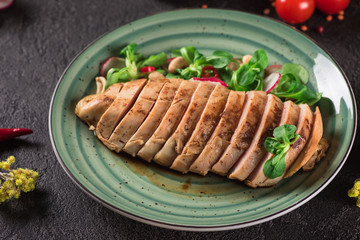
15, 180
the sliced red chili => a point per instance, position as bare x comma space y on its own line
147, 69
7, 133
205, 71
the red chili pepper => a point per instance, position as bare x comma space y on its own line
209, 68
7, 133
147, 69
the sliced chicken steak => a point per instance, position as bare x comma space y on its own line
203, 130
175, 144
244, 133
92, 107
149, 126
137, 114
290, 115
303, 128
220, 139
170, 120
318, 155
117, 110
310, 147
269, 121
201, 126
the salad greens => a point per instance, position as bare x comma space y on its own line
154, 60
131, 58
129, 72
133, 63
194, 58
297, 70
219, 59
250, 76
279, 145
292, 85
243, 77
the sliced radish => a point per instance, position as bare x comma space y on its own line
271, 81
272, 68
4, 4
211, 79
112, 62
169, 60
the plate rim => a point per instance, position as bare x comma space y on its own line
196, 228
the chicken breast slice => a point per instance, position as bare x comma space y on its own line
318, 155
244, 133
117, 110
175, 144
136, 115
170, 120
290, 115
92, 107
303, 128
149, 126
310, 147
220, 139
203, 130
269, 121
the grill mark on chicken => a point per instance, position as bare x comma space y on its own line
107, 99
305, 130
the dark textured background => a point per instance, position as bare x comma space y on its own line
39, 38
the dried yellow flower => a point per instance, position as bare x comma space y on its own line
16, 180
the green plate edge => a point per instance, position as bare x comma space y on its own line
214, 15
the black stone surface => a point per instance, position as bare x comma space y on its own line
39, 38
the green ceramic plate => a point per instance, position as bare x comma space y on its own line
157, 196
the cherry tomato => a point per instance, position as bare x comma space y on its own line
295, 11
331, 6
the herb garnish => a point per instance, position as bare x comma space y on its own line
279, 145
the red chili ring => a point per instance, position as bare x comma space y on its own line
207, 68
147, 69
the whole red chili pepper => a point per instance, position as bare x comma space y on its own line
7, 133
